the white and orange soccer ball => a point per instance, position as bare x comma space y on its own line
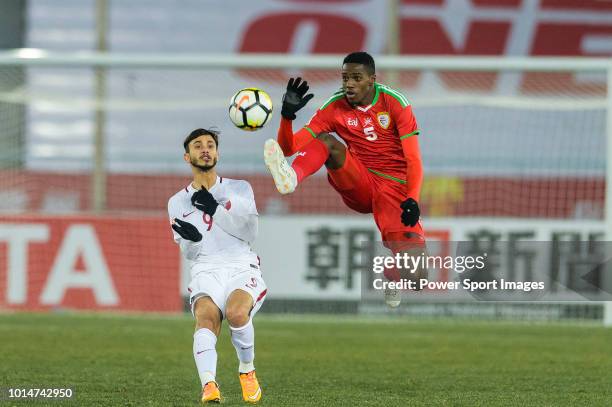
250, 109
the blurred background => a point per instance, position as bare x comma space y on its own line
96, 98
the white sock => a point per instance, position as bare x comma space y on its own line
205, 354
243, 339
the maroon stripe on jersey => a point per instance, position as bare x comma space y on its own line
263, 293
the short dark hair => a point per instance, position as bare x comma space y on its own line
201, 132
361, 58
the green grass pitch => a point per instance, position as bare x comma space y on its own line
311, 361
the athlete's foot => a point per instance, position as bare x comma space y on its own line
211, 393
284, 176
393, 298
251, 392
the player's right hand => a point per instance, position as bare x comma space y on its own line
410, 212
295, 97
204, 201
186, 230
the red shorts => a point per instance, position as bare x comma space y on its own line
366, 192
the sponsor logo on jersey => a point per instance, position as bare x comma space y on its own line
367, 121
383, 119
187, 214
352, 121
253, 283
228, 205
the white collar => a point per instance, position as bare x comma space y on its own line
190, 188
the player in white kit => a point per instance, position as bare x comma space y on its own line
214, 221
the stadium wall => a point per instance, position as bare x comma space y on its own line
555, 196
131, 263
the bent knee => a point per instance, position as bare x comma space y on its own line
330, 141
207, 315
208, 323
325, 137
337, 150
237, 316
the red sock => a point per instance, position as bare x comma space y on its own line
310, 158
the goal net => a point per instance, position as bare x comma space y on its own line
499, 142
95, 136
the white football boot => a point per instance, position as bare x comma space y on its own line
393, 298
284, 176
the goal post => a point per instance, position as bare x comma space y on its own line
607, 314
475, 109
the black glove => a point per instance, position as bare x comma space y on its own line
186, 230
204, 201
294, 99
410, 212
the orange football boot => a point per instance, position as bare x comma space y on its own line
211, 393
251, 392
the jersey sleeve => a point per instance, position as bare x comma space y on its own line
408, 129
322, 121
173, 213
404, 120
291, 143
188, 248
246, 199
238, 217
414, 167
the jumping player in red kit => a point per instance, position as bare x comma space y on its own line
380, 169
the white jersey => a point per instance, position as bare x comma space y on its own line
227, 236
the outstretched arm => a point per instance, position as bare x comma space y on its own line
289, 142
294, 99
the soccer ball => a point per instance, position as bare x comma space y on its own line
250, 109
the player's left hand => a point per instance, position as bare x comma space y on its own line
186, 230
204, 201
410, 212
295, 97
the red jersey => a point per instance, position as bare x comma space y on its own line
374, 134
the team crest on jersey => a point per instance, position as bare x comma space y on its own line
383, 119
227, 204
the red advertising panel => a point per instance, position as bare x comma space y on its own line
93, 263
